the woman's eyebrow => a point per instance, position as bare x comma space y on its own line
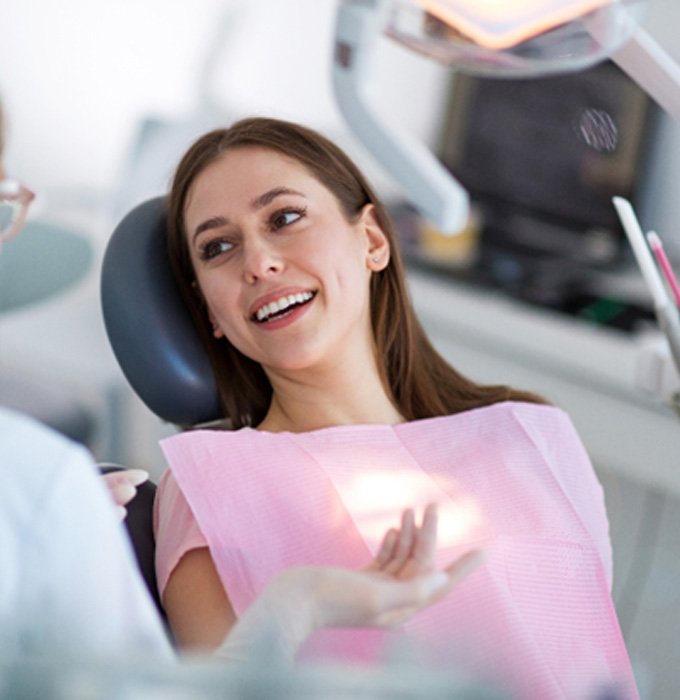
257, 203
264, 199
214, 222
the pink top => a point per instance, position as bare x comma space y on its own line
536, 617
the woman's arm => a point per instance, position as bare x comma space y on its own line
198, 609
398, 583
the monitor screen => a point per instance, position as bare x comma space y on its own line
555, 148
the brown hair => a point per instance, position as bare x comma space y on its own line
421, 383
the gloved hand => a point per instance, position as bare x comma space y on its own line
122, 487
398, 583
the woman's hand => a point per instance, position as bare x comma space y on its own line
122, 487
399, 582
408, 550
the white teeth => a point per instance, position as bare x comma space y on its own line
279, 305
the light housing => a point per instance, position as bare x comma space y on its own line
608, 28
521, 38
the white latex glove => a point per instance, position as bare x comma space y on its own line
122, 487
398, 583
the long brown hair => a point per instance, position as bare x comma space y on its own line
420, 382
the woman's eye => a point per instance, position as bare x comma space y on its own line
286, 217
214, 248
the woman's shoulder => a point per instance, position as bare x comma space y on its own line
199, 444
523, 410
494, 416
199, 435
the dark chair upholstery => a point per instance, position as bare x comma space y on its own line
148, 325
139, 523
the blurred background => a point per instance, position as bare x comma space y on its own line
102, 97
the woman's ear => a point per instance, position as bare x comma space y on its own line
216, 330
378, 247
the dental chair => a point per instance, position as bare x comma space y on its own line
148, 325
157, 348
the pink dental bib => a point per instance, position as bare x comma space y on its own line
536, 618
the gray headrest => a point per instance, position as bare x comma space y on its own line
148, 324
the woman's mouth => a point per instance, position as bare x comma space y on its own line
281, 307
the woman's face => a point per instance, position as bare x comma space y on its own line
284, 275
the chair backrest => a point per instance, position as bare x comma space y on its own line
155, 342
149, 327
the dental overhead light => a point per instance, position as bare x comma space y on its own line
509, 38
500, 38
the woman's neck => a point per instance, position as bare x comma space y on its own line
314, 400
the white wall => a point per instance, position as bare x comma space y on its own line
77, 75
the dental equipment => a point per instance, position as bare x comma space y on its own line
429, 186
487, 37
657, 248
665, 310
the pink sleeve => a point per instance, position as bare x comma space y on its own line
175, 528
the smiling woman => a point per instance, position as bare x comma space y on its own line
284, 260
345, 415
225, 174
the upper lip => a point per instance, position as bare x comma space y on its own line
275, 296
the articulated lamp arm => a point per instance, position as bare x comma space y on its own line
428, 185
652, 69
659, 75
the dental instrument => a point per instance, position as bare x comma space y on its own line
665, 310
657, 248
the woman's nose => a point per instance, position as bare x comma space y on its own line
260, 260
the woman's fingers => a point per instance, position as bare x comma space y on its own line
404, 598
409, 551
414, 551
421, 559
457, 570
386, 551
462, 566
404, 545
